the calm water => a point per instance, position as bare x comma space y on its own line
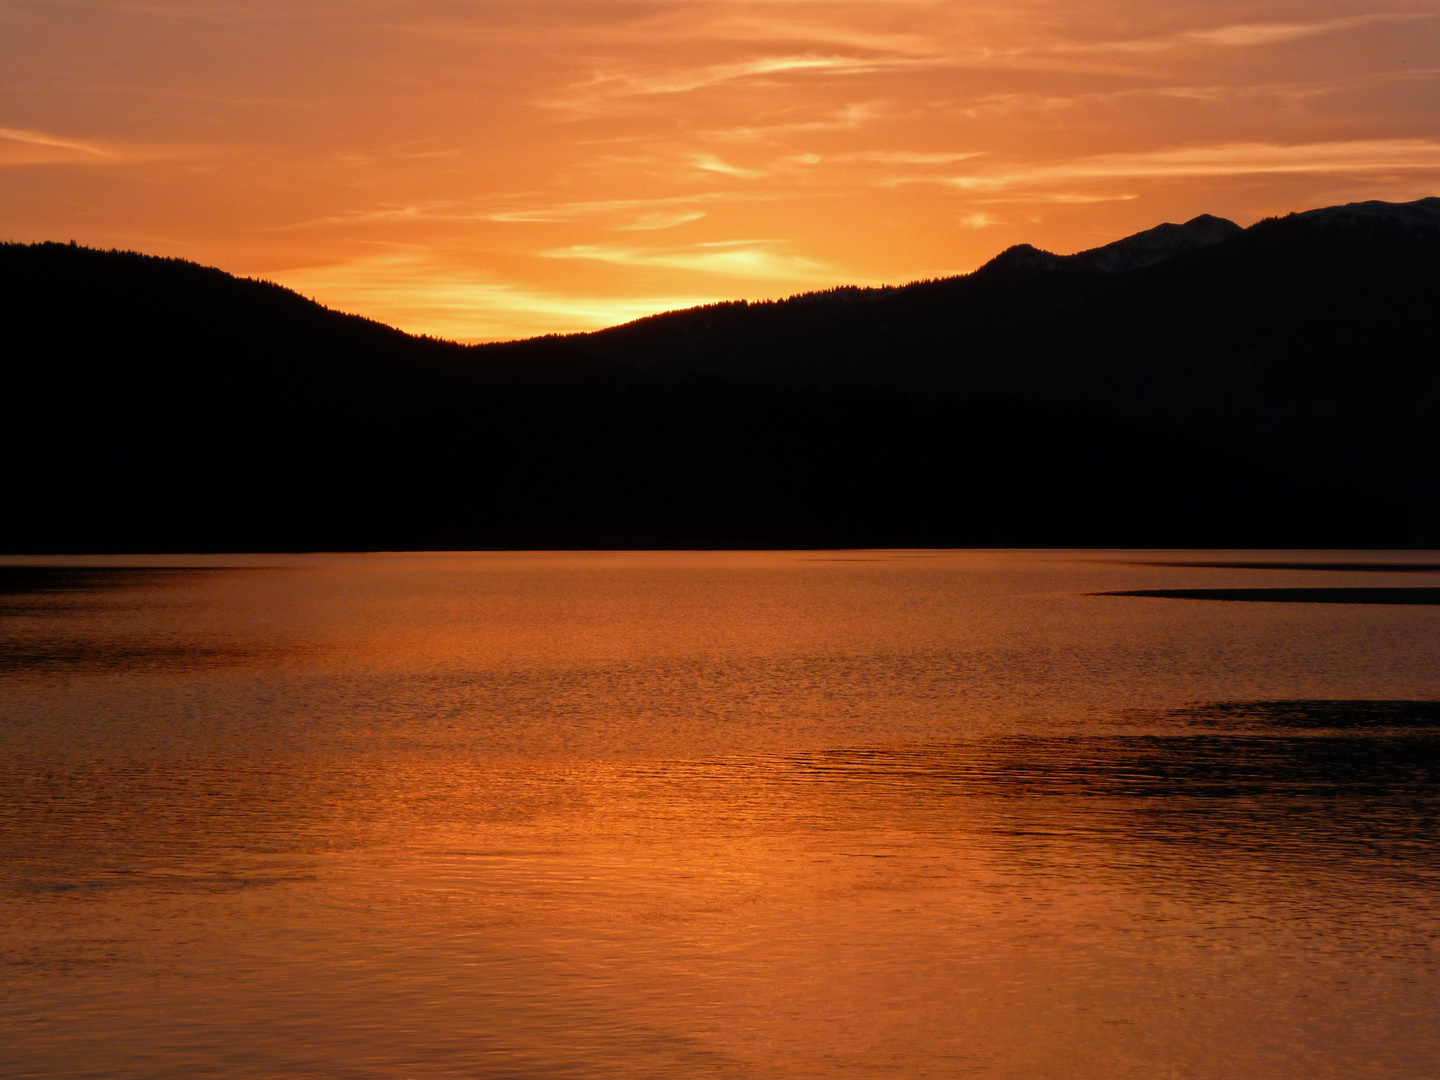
715, 815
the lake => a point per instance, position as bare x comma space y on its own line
801, 814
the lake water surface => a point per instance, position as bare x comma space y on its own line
861, 814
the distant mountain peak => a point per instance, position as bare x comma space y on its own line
1024, 257
1420, 214
1147, 248
1158, 245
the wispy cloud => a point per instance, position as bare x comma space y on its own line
29, 147
19, 147
873, 53
1383, 156
912, 157
757, 259
848, 118
395, 213
606, 90
1054, 198
661, 219
639, 213
829, 29
1250, 35
711, 163
207, 10
1231, 35
635, 210
684, 81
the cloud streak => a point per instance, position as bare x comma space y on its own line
660, 219
755, 259
891, 53
19, 147
1229, 36
1213, 162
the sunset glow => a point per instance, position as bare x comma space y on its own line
485, 170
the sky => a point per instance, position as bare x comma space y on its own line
493, 169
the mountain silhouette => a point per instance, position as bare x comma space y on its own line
1146, 248
1193, 385
1304, 344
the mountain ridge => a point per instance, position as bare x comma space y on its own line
1147, 248
1257, 388
1303, 342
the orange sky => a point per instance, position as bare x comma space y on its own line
483, 170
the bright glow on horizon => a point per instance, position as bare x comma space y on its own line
501, 168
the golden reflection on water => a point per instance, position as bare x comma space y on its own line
911, 814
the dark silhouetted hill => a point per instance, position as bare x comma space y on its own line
1309, 345
1147, 248
1191, 386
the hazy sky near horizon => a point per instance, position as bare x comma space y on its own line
491, 168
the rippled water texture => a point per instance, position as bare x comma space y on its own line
719, 815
